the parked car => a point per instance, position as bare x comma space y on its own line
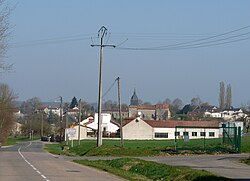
45, 138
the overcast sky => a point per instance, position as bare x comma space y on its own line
165, 49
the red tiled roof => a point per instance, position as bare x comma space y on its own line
174, 123
151, 107
73, 110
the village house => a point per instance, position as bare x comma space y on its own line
231, 114
73, 112
50, 109
140, 129
148, 112
115, 113
89, 127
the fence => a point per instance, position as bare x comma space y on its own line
213, 139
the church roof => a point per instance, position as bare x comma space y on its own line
134, 101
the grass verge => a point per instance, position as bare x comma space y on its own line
246, 161
14, 140
134, 148
139, 170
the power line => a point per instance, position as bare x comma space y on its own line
190, 43
112, 85
52, 40
213, 40
208, 43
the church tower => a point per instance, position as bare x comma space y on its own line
134, 101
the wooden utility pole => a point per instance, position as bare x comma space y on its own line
101, 33
79, 123
120, 111
42, 125
66, 125
60, 119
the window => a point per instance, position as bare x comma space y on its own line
185, 133
161, 135
211, 134
177, 133
203, 134
194, 133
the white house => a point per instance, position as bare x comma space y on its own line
138, 128
18, 114
73, 112
212, 114
47, 109
91, 124
232, 114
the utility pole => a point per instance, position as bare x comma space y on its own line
60, 119
120, 111
101, 33
79, 121
66, 124
42, 125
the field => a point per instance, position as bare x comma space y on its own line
141, 147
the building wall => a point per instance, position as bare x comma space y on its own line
151, 112
199, 131
171, 132
83, 133
137, 129
147, 114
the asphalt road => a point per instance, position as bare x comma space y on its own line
227, 165
28, 162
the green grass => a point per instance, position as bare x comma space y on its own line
245, 144
12, 140
246, 161
143, 147
54, 148
135, 169
112, 148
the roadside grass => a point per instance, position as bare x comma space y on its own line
12, 140
245, 144
54, 148
246, 161
139, 170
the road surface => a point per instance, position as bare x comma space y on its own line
227, 165
28, 162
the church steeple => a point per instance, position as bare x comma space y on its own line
134, 101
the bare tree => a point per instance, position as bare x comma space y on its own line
4, 35
177, 103
196, 102
228, 102
29, 106
222, 96
167, 101
7, 118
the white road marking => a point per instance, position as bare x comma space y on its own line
32, 166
